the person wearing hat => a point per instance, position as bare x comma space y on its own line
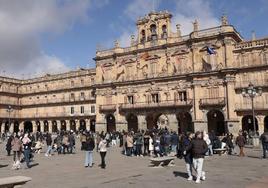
198, 148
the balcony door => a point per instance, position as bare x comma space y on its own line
110, 123
247, 123
132, 122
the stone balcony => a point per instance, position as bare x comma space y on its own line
206, 102
248, 106
161, 104
108, 108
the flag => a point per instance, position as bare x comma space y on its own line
210, 51
206, 66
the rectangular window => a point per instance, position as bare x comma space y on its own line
92, 108
82, 96
82, 82
153, 69
72, 110
155, 98
130, 99
72, 83
82, 109
72, 97
213, 92
182, 96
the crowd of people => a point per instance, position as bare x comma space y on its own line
154, 143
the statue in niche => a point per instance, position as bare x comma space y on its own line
120, 70
142, 65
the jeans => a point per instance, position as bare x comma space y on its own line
129, 151
103, 154
16, 156
49, 149
210, 150
138, 148
27, 157
89, 158
198, 166
264, 148
113, 142
174, 148
189, 169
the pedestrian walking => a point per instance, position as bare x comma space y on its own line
26, 149
49, 144
198, 148
89, 146
241, 141
187, 155
103, 150
8, 145
16, 148
264, 141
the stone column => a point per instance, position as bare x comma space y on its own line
11, 128
2, 127
87, 121
34, 126
77, 125
21, 126
42, 126
173, 122
58, 125
49, 126
142, 124
260, 124
68, 126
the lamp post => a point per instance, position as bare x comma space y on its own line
253, 92
9, 110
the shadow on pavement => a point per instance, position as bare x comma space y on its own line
181, 174
2, 166
34, 164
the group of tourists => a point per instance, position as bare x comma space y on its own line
154, 143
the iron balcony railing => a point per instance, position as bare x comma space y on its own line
160, 104
256, 83
219, 101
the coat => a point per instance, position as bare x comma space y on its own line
129, 141
16, 144
103, 146
198, 148
240, 141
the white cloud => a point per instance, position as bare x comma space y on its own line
191, 10
23, 22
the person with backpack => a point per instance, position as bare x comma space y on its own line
264, 141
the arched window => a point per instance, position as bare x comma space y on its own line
164, 32
153, 32
143, 36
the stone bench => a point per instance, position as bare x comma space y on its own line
162, 161
15, 181
219, 151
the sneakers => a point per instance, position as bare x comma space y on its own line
203, 177
197, 181
46, 155
190, 178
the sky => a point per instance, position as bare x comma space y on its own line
38, 37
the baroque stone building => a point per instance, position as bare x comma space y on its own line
163, 79
184, 83
50, 103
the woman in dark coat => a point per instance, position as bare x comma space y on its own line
8, 145
241, 141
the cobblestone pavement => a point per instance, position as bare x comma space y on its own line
68, 171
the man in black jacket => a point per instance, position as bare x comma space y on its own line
49, 144
264, 140
198, 148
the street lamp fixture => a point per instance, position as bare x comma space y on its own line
252, 92
9, 110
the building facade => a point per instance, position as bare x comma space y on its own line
184, 83
50, 103
163, 79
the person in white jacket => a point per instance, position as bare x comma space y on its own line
103, 151
151, 146
208, 141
